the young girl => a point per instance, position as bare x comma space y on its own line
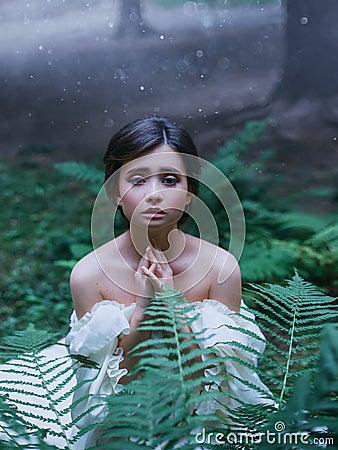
153, 185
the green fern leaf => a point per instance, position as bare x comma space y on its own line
327, 236
312, 408
15, 432
169, 368
286, 314
26, 341
83, 172
262, 260
38, 388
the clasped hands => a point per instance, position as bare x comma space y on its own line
152, 273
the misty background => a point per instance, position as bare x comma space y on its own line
73, 72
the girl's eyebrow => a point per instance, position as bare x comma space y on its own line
161, 170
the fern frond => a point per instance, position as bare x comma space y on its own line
157, 408
264, 260
39, 384
327, 236
300, 224
160, 406
143, 416
251, 132
83, 172
312, 408
15, 432
293, 316
25, 341
287, 314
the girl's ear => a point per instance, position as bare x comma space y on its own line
188, 198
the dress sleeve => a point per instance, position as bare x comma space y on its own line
96, 335
230, 334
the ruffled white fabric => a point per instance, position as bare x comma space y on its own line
224, 330
96, 336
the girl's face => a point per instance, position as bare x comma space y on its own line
153, 188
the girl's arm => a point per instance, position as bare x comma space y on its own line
129, 341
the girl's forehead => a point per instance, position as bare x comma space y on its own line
159, 160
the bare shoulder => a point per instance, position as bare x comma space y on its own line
84, 284
224, 275
85, 270
89, 281
221, 260
225, 263
91, 267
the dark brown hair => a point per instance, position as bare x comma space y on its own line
143, 135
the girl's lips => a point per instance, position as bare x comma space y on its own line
154, 214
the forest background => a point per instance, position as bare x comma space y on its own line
253, 81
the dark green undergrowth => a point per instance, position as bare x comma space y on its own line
44, 215
158, 405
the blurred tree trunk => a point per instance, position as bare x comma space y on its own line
311, 55
131, 23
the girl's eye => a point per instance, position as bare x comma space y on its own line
170, 181
136, 180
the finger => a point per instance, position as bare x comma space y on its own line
153, 267
143, 262
160, 268
149, 269
151, 255
153, 278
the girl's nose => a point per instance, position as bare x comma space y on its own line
154, 194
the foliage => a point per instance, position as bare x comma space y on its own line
36, 390
44, 216
16, 432
312, 408
159, 402
292, 316
169, 376
276, 239
83, 172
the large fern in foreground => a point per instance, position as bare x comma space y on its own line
292, 317
158, 407
36, 388
312, 409
16, 432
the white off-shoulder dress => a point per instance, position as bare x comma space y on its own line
97, 334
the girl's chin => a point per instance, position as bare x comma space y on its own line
155, 222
